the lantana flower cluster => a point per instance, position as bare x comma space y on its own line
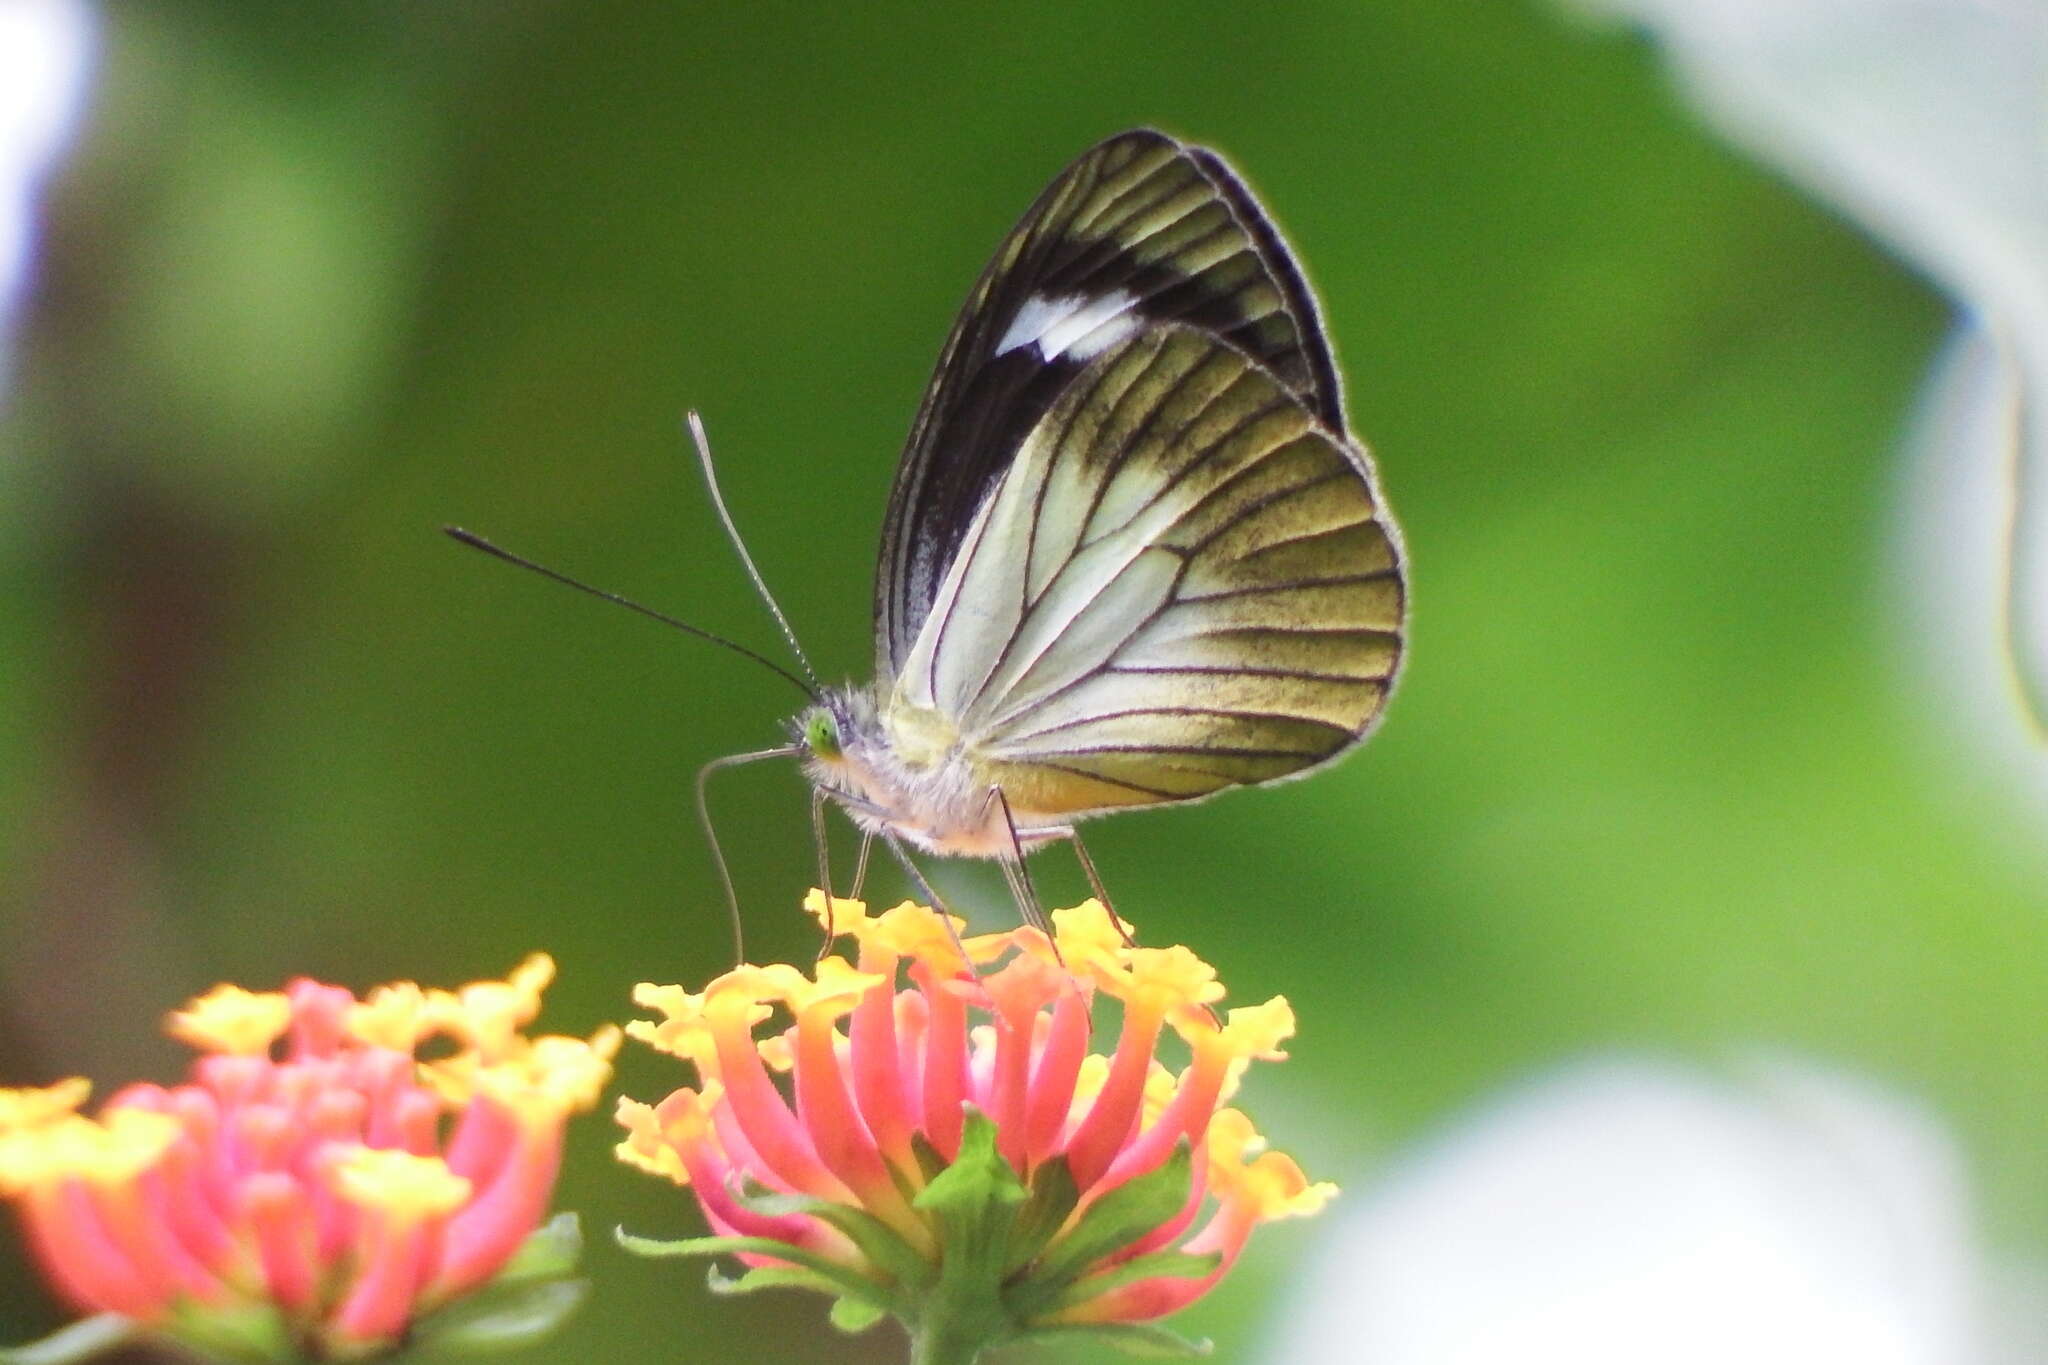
314, 1189
925, 1129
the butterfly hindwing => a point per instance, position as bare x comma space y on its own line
1140, 231
1183, 581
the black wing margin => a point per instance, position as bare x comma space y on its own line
1140, 230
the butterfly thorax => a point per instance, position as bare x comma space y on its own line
906, 770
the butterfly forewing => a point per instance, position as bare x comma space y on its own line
1140, 231
1182, 581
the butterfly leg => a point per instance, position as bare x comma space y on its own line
931, 897
1101, 893
823, 845
1019, 876
819, 797
853, 803
860, 866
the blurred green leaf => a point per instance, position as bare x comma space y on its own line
86, 1339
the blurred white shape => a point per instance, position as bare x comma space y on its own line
1970, 564
2019, 1313
1927, 122
45, 55
1628, 1211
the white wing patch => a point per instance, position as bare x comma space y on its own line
1072, 325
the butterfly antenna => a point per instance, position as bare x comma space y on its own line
732, 533
477, 542
732, 899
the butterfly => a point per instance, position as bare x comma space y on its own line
1132, 556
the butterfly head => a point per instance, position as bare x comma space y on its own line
818, 734
895, 771
830, 735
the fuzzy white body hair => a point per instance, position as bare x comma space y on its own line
907, 772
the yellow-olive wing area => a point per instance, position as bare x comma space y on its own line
1183, 582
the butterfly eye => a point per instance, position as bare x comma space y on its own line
821, 734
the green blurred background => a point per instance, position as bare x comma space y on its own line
1664, 772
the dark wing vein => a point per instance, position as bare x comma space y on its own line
1271, 644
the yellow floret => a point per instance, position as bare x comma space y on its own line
398, 1182
109, 1151
844, 916
232, 1020
32, 1105
489, 1014
396, 1016
541, 1081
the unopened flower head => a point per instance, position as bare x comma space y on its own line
950, 1149
314, 1183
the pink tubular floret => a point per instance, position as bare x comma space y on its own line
929, 1040
300, 1166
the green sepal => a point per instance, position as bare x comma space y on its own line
842, 1280
1053, 1196
1145, 1340
531, 1297
756, 1278
239, 1335
1174, 1265
847, 1308
930, 1163
550, 1252
502, 1316
850, 1313
1111, 1223
881, 1244
81, 1340
974, 1202
852, 1316
253, 1334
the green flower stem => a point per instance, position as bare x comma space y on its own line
973, 1205
954, 1329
